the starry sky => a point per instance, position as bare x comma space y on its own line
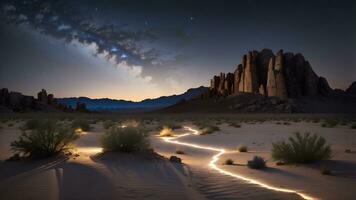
132, 50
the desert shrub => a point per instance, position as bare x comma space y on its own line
48, 138
278, 123
301, 149
316, 120
353, 126
256, 163
82, 124
229, 162
209, 129
108, 124
10, 125
179, 151
286, 123
125, 140
31, 124
242, 148
235, 125
166, 132
325, 171
330, 123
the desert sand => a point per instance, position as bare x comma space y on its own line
88, 174
258, 137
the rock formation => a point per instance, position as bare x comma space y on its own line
352, 89
16, 101
284, 75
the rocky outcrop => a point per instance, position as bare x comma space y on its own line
16, 101
284, 75
352, 89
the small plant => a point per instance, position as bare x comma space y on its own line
242, 148
348, 151
235, 125
229, 162
166, 132
125, 140
286, 123
256, 163
301, 149
49, 138
10, 125
325, 171
209, 129
108, 124
353, 126
316, 121
179, 151
330, 123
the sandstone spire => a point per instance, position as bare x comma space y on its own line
250, 74
281, 89
271, 80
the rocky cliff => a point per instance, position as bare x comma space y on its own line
15, 101
283, 75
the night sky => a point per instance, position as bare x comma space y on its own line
144, 49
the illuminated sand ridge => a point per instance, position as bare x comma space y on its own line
212, 164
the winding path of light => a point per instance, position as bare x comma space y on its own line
215, 158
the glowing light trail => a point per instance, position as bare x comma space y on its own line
215, 158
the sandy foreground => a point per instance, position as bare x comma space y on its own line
92, 175
304, 179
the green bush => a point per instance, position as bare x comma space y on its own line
82, 124
256, 163
48, 139
126, 140
301, 149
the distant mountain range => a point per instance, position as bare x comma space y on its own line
147, 104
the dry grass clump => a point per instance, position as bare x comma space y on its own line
256, 163
179, 151
353, 126
166, 132
47, 139
242, 148
229, 162
304, 148
330, 123
209, 129
127, 140
235, 125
